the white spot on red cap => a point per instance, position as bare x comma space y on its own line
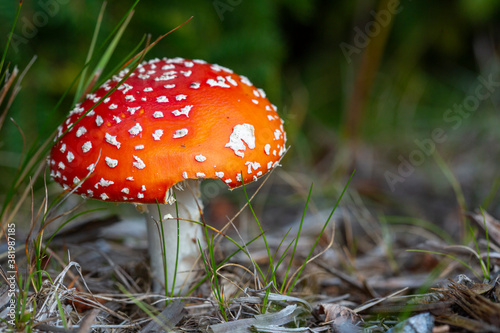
63, 148
267, 149
157, 134
180, 97
136, 129
104, 183
200, 174
133, 109
104, 196
277, 134
185, 111
185, 175
125, 190
112, 140
244, 133
81, 131
86, 146
70, 157
245, 80
91, 167
169, 86
282, 151
227, 181
126, 87
139, 164
221, 82
139, 147
113, 106
166, 76
219, 174
194, 85
200, 158
252, 165
231, 80
117, 119
140, 195
98, 120
148, 89
76, 180
61, 165
111, 162
255, 101
180, 133
215, 68
130, 179
162, 99
158, 114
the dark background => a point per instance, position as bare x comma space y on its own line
424, 60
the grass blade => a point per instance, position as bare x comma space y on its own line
297, 239
11, 33
80, 88
289, 287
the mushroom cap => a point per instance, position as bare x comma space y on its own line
170, 120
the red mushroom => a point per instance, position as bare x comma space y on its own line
171, 121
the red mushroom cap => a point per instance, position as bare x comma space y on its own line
170, 120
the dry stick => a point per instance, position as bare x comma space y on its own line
86, 323
369, 305
6, 87
16, 89
344, 277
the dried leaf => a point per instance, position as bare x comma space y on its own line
492, 224
338, 314
169, 317
269, 322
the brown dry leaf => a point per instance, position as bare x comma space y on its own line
492, 224
167, 319
339, 315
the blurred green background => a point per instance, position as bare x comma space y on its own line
358, 109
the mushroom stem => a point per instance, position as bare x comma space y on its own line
188, 205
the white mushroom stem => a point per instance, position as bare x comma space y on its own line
188, 205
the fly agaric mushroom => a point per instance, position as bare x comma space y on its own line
169, 124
